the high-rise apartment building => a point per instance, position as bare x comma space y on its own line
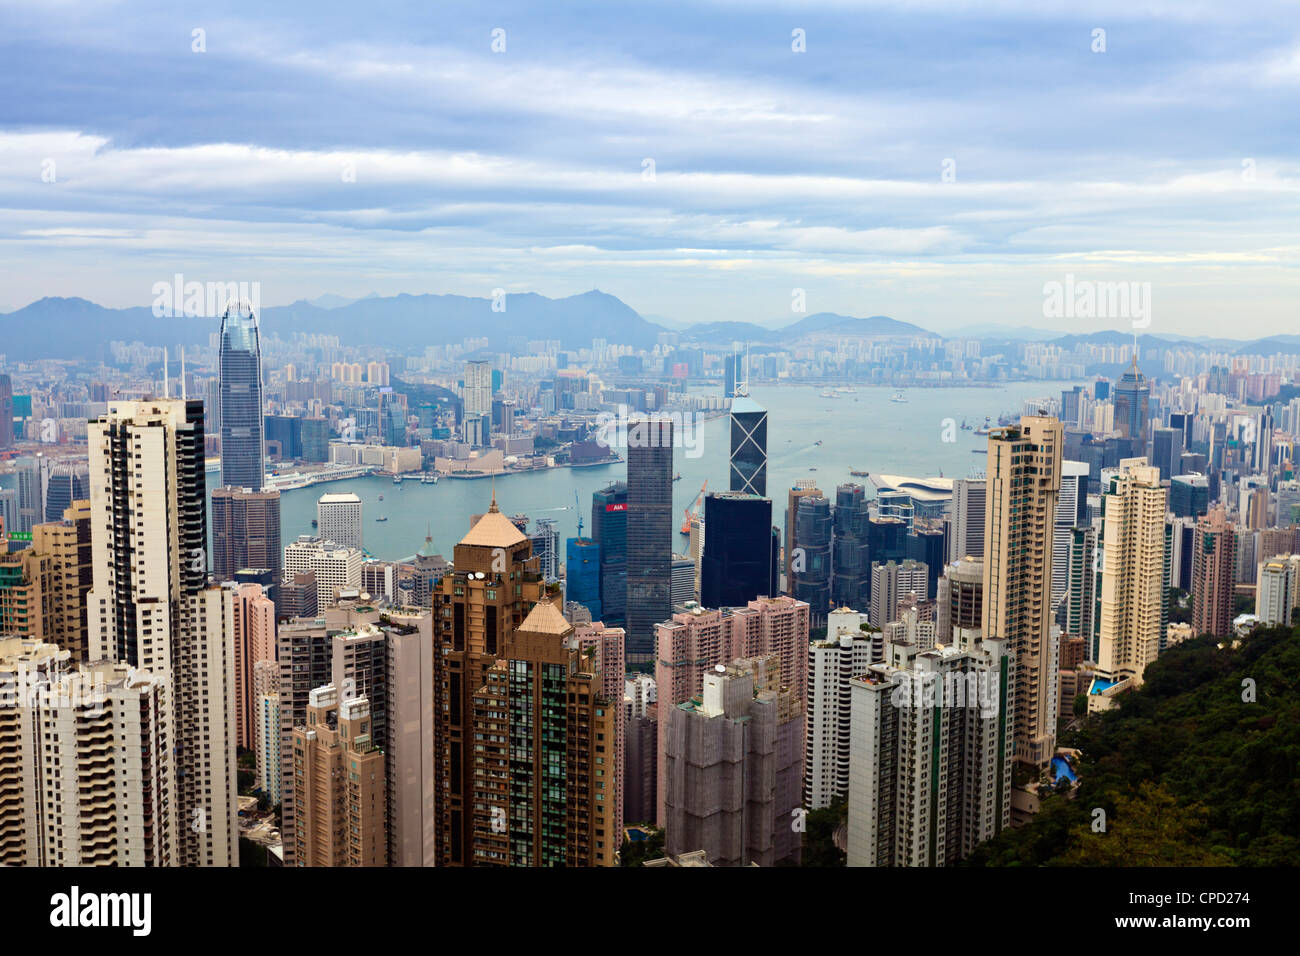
959, 611
1071, 513
848, 650
338, 519
338, 771
1024, 479
1134, 577
649, 533
479, 604
476, 394
890, 582
150, 607
1277, 590
543, 774
254, 625
733, 765
1214, 564
930, 754
67, 542
334, 567
966, 536
242, 425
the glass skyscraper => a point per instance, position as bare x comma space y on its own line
748, 447
649, 533
241, 401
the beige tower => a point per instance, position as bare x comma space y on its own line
1133, 595
1024, 481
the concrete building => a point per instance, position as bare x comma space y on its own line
930, 754
1214, 562
733, 762
1277, 590
1134, 578
339, 519
967, 518
254, 626
150, 607
1024, 479
698, 639
338, 772
892, 580
67, 542
334, 566
847, 651
84, 762
640, 749
266, 730
245, 532
959, 612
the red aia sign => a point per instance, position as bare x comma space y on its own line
616, 507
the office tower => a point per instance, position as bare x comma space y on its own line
582, 574
33, 478
266, 729
254, 624
1214, 563
334, 567
894, 504
738, 563
1277, 590
1071, 513
811, 562
9, 509
1134, 608
338, 773
67, 542
315, 439
890, 581
928, 545
748, 447
694, 640
1024, 479
649, 533
850, 560
84, 758
1132, 401
546, 549
297, 597
683, 580
67, 482
477, 397
379, 580
6, 412
609, 530
150, 607
729, 366
246, 533
492, 587
847, 650
242, 425
1189, 495
959, 615
542, 779
734, 766
338, 519
930, 754
802, 488
1167, 451
640, 749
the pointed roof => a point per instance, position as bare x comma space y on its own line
493, 530
546, 618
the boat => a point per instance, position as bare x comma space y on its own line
397, 479
817, 442
828, 394
428, 479
898, 397
979, 451
381, 497
965, 427
382, 518
677, 477
985, 428
859, 473
313, 522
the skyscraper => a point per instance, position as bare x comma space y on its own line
338, 519
1071, 513
1214, 567
649, 533
1132, 401
246, 533
738, 564
582, 574
150, 607
846, 651
968, 507
1134, 602
6, 412
242, 425
812, 557
609, 530
851, 560
477, 397
748, 447
1024, 480
493, 586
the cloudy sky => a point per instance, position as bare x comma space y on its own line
934, 161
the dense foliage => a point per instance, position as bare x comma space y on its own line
1189, 770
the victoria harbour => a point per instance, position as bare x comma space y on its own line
809, 436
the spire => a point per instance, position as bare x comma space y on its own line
492, 509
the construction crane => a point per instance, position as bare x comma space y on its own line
577, 506
694, 508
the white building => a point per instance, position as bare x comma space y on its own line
338, 519
335, 567
890, 581
847, 650
1278, 590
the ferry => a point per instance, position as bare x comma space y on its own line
382, 518
828, 394
859, 473
428, 479
397, 479
898, 397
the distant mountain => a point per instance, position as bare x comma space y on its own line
329, 301
1003, 333
716, 333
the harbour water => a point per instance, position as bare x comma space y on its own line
809, 436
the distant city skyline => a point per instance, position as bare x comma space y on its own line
934, 163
